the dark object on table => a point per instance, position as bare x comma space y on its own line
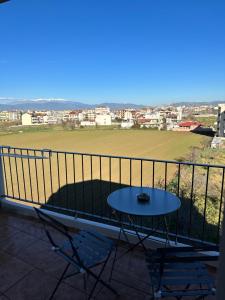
143, 197
82, 251
179, 271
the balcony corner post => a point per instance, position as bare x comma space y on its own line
2, 192
221, 272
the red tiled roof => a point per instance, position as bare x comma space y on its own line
189, 124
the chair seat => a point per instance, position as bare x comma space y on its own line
92, 247
179, 279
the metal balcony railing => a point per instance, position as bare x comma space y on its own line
78, 184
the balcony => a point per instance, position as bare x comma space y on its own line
30, 271
77, 185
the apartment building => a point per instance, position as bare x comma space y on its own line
9, 116
220, 130
102, 110
103, 120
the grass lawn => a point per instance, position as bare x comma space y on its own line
135, 143
58, 183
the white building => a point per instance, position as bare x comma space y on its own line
26, 119
220, 131
128, 115
102, 110
87, 123
179, 113
103, 120
127, 124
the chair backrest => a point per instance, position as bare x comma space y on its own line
188, 254
50, 222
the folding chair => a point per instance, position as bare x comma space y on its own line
181, 272
83, 251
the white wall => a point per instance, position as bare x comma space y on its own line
26, 119
103, 120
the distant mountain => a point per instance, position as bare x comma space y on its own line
121, 105
44, 105
187, 103
58, 105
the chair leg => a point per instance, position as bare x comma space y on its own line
59, 281
115, 254
85, 285
98, 277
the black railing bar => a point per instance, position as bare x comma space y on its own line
221, 202
191, 202
110, 174
31, 190
24, 185
130, 172
82, 169
50, 173
165, 183
17, 176
178, 193
92, 186
36, 174
11, 178
153, 174
74, 181
67, 198
43, 177
58, 173
127, 157
5, 175
205, 204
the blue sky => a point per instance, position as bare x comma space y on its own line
139, 51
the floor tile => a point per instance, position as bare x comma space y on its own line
39, 286
7, 232
39, 255
16, 242
11, 270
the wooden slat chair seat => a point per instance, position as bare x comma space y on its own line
181, 272
92, 247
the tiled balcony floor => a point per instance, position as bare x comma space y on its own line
29, 269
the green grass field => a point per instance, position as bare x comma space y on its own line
132, 143
61, 181
135, 143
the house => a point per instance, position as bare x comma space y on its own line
187, 126
27, 119
87, 123
127, 124
34, 119
102, 110
103, 120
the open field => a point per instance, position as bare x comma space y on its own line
135, 143
59, 171
82, 182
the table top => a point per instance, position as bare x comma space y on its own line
161, 202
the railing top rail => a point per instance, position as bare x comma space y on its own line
118, 156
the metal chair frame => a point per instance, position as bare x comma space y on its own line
95, 243
181, 267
